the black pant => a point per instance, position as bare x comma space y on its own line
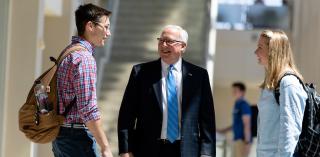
168, 149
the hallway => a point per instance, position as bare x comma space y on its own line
49, 25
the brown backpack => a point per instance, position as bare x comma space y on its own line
44, 128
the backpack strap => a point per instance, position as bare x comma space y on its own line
47, 76
58, 61
68, 107
67, 52
277, 89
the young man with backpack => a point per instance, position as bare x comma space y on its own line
241, 125
76, 87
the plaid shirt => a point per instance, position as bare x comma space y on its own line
76, 77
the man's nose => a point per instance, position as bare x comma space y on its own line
108, 32
164, 43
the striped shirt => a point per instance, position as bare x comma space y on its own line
76, 78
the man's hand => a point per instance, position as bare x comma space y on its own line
220, 131
225, 130
106, 153
96, 129
126, 155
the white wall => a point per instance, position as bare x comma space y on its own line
235, 61
22, 61
306, 38
4, 15
58, 31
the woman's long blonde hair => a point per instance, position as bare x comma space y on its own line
280, 57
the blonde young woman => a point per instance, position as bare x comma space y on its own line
279, 125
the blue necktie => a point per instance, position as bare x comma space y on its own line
172, 100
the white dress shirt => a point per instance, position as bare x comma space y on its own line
177, 73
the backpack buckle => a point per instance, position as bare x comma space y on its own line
48, 89
52, 59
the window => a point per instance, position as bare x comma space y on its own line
252, 14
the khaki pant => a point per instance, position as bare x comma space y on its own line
239, 149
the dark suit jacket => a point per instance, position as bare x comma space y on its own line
140, 116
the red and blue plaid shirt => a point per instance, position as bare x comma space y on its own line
76, 77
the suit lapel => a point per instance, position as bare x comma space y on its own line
186, 83
157, 84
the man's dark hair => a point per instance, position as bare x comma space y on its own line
86, 13
240, 86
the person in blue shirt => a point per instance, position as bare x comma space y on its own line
279, 124
241, 122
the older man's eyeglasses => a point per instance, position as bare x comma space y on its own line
168, 41
104, 27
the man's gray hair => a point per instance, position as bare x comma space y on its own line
183, 33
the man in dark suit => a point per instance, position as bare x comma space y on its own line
167, 109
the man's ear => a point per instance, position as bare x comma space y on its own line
89, 26
183, 47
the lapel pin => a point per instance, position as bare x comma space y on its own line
189, 74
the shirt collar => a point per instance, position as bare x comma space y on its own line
90, 47
240, 99
177, 66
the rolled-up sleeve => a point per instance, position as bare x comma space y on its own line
85, 88
292, 104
